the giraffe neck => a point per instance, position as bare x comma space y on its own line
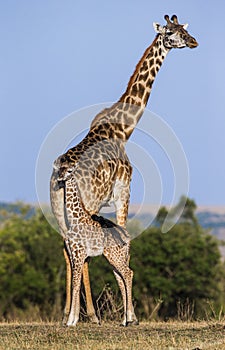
123, 116
140, 84
95, 232
74, 209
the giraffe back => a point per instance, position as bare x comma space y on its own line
97, 164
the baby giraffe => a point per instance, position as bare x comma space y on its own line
92, 236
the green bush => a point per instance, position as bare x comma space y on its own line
31, 265
179, 273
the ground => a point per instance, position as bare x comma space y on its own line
111, 336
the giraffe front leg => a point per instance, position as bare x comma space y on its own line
86, 281
121, 194
75, 300
77, 258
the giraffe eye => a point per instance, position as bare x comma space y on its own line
169, 32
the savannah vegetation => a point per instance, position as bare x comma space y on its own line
110, 336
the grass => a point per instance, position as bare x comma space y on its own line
111, 336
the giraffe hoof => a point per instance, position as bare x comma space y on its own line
94, 319
132, 323
71, 323
64, 320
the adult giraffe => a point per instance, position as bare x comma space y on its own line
99, 164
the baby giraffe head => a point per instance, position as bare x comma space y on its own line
175, 35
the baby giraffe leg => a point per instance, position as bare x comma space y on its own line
77, 257
122, 287
117, 257
86, 281
123, 293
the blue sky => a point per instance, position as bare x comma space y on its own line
60, 56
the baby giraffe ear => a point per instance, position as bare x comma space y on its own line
185, 26
158, 28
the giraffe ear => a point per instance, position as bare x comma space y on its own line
185, 26
158, 28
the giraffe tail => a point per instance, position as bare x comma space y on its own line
112, 231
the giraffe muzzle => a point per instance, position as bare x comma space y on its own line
192, 43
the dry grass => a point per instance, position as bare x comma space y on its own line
151, 335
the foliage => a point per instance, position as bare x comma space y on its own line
31, 264
182, 264
179, 271
181, 267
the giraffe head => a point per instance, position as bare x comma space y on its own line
175, 35
63, 168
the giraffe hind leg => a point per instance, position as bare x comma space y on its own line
117, 257
89, 302
121, 284
68, 286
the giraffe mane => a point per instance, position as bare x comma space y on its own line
132, 78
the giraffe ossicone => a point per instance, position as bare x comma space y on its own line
98, 170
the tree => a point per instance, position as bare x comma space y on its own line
183, 264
